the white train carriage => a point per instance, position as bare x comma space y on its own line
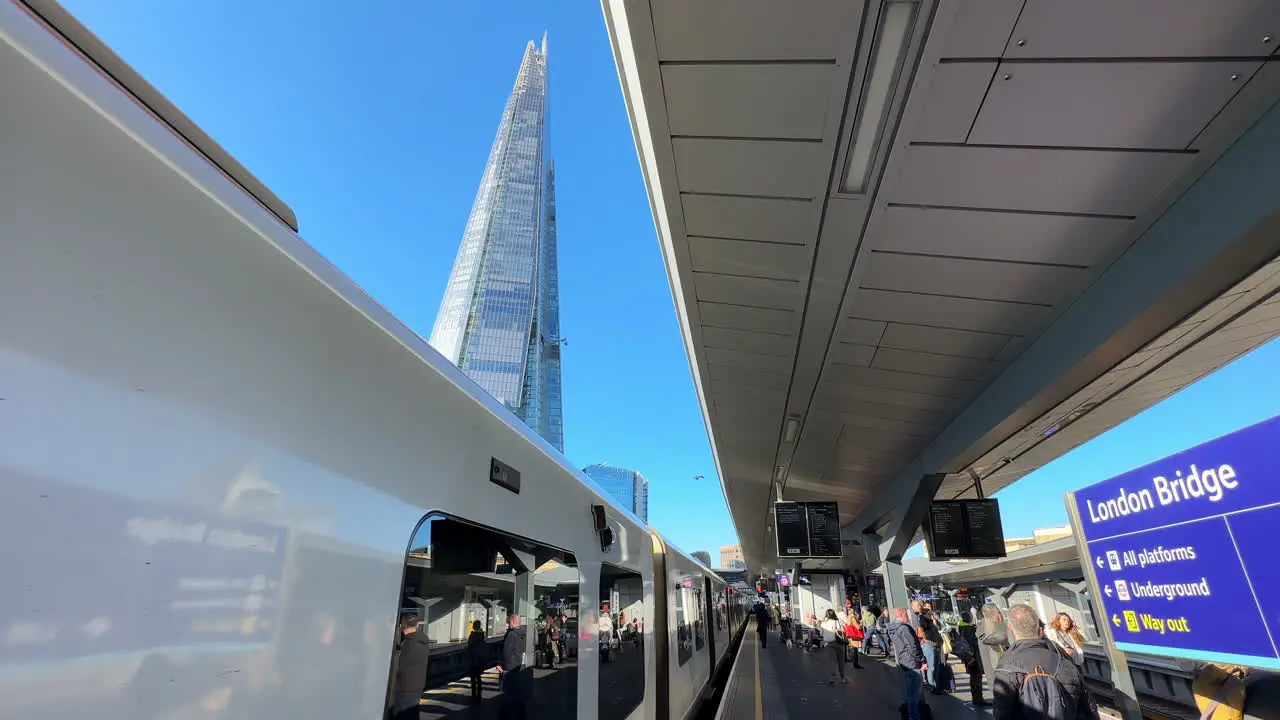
227, 470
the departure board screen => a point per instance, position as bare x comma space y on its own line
808, 529
986, 534
965, 529
792, 525
824, 529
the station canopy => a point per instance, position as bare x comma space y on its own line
915, 243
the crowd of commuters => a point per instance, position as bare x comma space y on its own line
1034, 667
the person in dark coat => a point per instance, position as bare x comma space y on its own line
411, 668
763, 621
909, 658
514, 691
973, 661
477, 657
1031, 652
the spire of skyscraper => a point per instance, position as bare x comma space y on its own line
499, 320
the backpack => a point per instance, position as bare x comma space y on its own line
1220, 691
1042, 695
963, 649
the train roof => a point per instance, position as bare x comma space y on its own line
84, 43
80, 39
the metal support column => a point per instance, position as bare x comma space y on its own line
895, 585
1126, 696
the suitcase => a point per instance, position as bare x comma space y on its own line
926, 713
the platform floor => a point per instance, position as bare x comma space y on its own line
777, 683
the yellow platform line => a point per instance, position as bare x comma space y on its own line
759, 702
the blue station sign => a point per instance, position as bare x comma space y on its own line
1183, 553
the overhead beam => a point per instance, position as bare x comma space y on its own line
1226, 226
909, 518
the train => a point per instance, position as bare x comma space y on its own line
228, 472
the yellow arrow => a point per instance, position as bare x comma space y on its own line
1116, 619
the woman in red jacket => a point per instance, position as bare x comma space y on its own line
853, 635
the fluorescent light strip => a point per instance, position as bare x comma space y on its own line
790, 429
896, 20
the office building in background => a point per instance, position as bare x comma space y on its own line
731, 557
628, 487
499, 320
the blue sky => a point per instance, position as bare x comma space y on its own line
374, 120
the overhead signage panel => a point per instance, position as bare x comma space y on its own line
792, 525
824, 529
965, 529
808, 529
1175, 541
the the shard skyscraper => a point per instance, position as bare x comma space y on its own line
500, 317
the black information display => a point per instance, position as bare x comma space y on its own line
808, 530
965, 529
793, 529
824, 529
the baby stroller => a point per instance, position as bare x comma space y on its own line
811, 639
788, 631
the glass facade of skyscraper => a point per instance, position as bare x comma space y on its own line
499, 320
628, 487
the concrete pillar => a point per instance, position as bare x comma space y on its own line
525, 564
1038, 592
871, 549
895, 585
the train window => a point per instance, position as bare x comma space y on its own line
487, 620
622, 642
700, 622
684, 633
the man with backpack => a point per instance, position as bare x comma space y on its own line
1035, 680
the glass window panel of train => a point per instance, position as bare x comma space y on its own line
700, 621
621, 642
488, 624
684, 631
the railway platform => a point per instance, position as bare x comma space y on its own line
780, 683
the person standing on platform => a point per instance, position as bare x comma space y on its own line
833, 637
1064, 634
477, 656
853, 636
762, 624
906, 651
411, 668
1035, 680
931, 644
965, 646
993, 637
514, 691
